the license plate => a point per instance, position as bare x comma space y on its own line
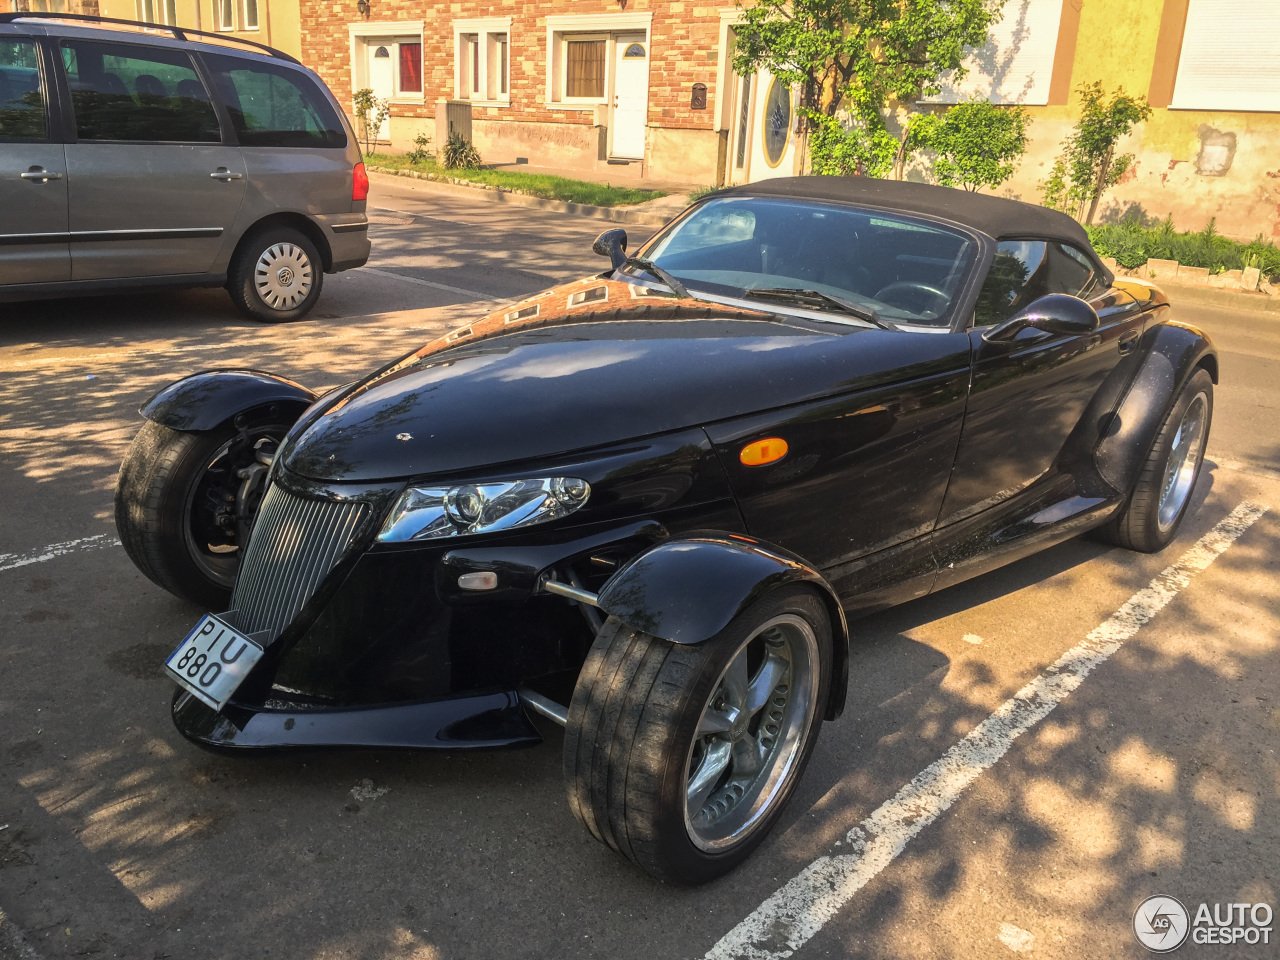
212, 661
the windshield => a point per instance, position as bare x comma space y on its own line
904, 270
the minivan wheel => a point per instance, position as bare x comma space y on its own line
276, 275
682, 758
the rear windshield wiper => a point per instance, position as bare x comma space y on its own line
676, 286
802, 297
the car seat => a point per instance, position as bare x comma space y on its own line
149, 85
192, 90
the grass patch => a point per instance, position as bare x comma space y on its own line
1133, 244
533, 184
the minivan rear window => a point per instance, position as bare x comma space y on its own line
272, 106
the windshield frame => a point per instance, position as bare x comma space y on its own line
958, 314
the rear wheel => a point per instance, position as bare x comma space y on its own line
175, 507
682, 758
1150, 518
276, 275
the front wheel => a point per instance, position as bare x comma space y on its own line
276, 275
1150, 518
176, 506
682, 758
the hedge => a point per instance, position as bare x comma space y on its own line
1132, 245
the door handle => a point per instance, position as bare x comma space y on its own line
223, 174
1128, 342
40, 174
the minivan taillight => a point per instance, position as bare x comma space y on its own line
360, 183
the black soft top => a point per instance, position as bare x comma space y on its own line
995, 216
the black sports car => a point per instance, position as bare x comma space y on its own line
642, 504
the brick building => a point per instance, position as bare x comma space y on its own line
633, 86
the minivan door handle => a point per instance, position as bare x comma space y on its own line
223, 174
40, 174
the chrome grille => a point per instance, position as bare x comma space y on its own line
295, 543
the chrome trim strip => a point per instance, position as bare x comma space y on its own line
349, 227
548, 708
12, 239
164, 233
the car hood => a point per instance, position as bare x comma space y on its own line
583, 365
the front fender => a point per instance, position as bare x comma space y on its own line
206, 400
1175, 352
687, 589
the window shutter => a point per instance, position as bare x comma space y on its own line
1230, 56
1016, 66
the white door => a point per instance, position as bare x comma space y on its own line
630, 96
381, 73
741, 126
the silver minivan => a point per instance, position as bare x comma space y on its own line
132, 156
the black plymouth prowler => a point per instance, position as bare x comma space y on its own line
643, 504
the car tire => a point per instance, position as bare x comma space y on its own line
171, 487
1149, 519
276, 275
635, 761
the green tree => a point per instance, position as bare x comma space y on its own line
977, 142
1088, 164
859, 57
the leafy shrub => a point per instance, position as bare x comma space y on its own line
697, 193
419, 152
460, 153
1132, 245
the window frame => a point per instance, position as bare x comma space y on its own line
606, 79
244, 15
604, 26
474, 59
220, 7
362, 37
400, 92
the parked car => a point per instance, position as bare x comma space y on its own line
132, 156
643, 504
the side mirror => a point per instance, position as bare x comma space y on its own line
612, 244
1053, 313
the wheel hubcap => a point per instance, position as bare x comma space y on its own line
1184, 462
283, 276
751, 732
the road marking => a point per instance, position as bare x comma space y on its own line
11, 561
796, 912
473, 294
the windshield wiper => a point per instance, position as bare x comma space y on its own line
676, 286
800, 296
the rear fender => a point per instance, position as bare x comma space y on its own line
1176, 352
687, 589
207, 400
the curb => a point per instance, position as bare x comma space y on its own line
483, 191
1243, 300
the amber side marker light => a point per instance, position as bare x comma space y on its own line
768, 450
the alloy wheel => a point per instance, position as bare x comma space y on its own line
751, 732
1183, 463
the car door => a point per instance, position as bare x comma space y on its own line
153, 186
1033, 393
33, 182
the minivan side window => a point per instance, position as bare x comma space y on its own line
123, 92
272, 106
22, 100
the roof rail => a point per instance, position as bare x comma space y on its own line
181, 33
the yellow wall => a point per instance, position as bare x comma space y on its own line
1120, 43
278, 20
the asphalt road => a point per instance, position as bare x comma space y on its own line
1158, 775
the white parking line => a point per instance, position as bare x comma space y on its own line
796, 912
11, 561
474, 294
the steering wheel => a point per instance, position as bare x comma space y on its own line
940, 299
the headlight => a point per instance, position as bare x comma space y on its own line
432, 513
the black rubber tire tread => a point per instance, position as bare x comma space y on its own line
633, 694
150, 508
240, 277
1136, 525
